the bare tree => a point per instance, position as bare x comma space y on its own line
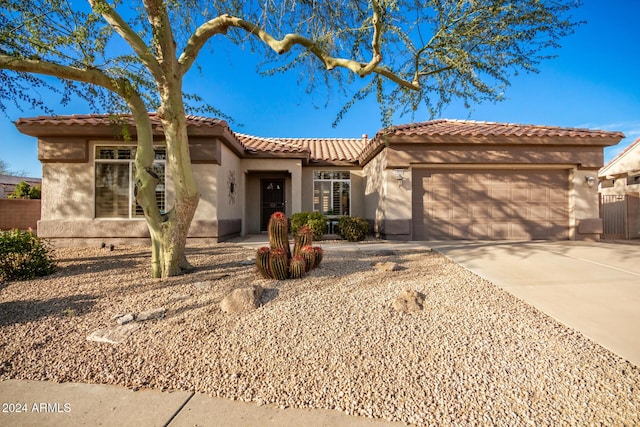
133, 57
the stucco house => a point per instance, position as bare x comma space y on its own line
620, 194
441, 179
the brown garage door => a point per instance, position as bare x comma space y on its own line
490, 204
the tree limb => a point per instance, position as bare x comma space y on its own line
128, 34
222, 23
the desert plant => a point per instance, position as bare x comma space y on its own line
319, 253
262, 262
279, 264
278, 229
309, 256
314, 220
353, 228
23, 255
275, 261
297, 267
304, 237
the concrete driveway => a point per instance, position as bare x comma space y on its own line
592, 287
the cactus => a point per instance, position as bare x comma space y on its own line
304, 237
275, 261
297, 267
262, 262
309, 256
279, 264
319, 253
279, 232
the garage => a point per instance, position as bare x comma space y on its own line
494, 204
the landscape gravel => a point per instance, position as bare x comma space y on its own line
475, 355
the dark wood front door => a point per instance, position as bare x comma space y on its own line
272, 200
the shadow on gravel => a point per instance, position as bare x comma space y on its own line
12, 312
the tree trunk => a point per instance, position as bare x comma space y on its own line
168, 230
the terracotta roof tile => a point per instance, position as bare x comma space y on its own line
107, 119
344, 150
319, 149
447, 127
476, 128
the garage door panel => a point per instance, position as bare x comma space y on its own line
491, 204
540, 195
556, 196
499, 193
480, 212
519, 194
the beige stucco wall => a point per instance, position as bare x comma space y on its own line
375, 190
229, 204
584, 215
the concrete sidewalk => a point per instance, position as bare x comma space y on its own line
592, 287
43, 404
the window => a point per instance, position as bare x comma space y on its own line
115, 182
633, 179
332, 192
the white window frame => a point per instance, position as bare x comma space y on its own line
131, 194
331, 196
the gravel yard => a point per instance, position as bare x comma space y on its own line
474, 355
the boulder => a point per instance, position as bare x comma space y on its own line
114, 335
408, 300
385, 266
242, 299
124, 319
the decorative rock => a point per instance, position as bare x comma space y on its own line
385, 266
242, 299
114, 335
156, 313
124, 319
408, 300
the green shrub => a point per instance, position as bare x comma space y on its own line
24, 191
352, 228
23, 255
314, 220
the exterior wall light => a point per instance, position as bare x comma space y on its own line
399, 174
590, 180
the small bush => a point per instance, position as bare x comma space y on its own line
24, 191
23, 255
352, 228
314, 220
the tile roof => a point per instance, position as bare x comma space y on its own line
342, 150
107, 119
15, 180
477, 128
319, 149
448, 127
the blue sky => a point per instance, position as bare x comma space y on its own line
594, 83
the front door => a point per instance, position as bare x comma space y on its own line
272, 200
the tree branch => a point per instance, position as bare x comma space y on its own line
122, 87
222, 23
91, 76
126, 32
